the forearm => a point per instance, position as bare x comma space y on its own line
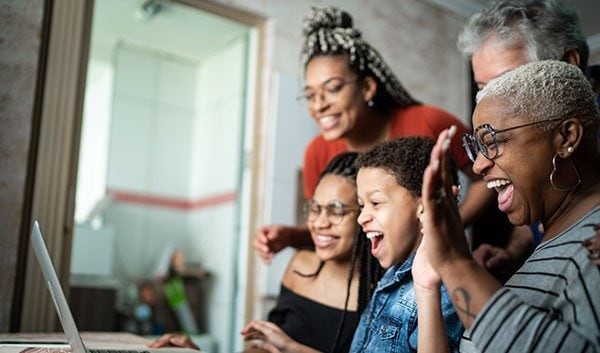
475, 201
521, 243
300, 237
470, 287
432, 331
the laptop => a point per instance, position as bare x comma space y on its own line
64, 313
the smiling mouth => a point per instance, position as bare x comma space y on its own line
505, 190
497, 184
328, 121
323, 241
372, 235
376, 239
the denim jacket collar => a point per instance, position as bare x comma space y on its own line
396, 273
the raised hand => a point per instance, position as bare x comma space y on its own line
593, 246
442, 228
269, 240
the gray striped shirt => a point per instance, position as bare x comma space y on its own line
552, 304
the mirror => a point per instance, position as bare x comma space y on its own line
160, 174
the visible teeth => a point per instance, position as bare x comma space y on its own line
324, 238
372, 235
497, 183
327, 119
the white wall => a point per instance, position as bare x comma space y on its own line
95, 132
177, 133
217, 168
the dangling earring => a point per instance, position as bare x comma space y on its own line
370, 103
554, 170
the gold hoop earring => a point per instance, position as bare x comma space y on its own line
555, 169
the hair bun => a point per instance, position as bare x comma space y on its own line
326, 17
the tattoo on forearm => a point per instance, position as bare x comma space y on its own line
462, 302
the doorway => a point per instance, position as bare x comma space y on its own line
160, 168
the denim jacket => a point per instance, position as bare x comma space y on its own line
389, 322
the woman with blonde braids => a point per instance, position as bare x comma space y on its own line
357, 102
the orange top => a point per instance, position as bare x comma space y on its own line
416, 120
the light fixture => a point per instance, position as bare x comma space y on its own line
149, 9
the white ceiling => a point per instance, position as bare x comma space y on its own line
587, 10
192, 33
177, 29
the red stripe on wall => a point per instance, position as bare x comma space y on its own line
171, 202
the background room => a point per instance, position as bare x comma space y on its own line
162, 97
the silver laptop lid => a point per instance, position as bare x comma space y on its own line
56, 292
62, 308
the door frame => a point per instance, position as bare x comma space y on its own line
54, 184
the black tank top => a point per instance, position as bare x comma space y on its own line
311, 323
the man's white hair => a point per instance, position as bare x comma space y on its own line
545, 90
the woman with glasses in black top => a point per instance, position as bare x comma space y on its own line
323, 291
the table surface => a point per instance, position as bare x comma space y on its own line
91, 339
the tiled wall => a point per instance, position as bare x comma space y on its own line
218, 163
176, 134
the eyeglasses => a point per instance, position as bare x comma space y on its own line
335, 211
484, 140
329, 91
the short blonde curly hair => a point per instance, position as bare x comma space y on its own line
545, 90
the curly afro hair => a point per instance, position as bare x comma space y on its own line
405, 158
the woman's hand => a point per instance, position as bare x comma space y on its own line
269, 240
173, 340
267, 335
443, 233
593, 246
444, 243
271, 338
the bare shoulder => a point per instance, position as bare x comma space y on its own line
303, 262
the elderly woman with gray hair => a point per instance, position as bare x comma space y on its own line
535, 143
499, 38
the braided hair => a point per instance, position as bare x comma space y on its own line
344, 165
328, 31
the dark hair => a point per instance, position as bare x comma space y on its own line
328, 31
405, 158
594, 72
344, 165
547, 28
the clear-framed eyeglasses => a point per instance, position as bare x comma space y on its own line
334, 210
484, 140
329, 91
